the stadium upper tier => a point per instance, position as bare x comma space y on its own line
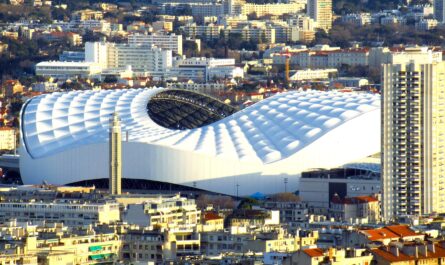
185, 137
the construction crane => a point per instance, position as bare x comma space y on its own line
287, 66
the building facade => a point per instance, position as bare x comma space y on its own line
413, 139
321, 12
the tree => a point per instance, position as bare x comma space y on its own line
285, 197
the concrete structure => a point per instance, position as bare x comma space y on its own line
70, 213
144, 60
205, 69
171, 42
115, 147
278, 137
316, 74
317, 187
66, 70
360, 209
413, 139
321, 12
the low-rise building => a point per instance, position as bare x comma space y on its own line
7, 138
361, 208
71, 213
65, 70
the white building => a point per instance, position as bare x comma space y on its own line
427, 24
278, 137
316, 74
144, 60
7, 138
321, 12
171, 42
67, 70
205, 69
413, 144
70, 213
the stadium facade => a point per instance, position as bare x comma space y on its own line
183, 137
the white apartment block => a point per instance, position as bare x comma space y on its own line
65, 70
70, 213
359, 19
277, 9
171, 212
321, 12
413, 139
147, 60
252, 33
96, 25
205, 69
171, 42
208, 32
316, 74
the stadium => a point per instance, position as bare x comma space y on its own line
187, 138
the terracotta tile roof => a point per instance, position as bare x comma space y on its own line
386, 254
211, 216
354, 200
402, 230
379, 234
314, 252
390, 232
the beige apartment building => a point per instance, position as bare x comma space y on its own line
7, 138
413, 139
321, 12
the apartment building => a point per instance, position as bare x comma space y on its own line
413, 139
321, 12
206, 32
143, 59
163, 211
171, 42
363, 209
205, 69
70, 213
65, 70
7, 138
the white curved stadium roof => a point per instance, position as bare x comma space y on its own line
265, 133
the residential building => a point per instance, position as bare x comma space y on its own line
11, 87
67, 70
426, 24
166, 42
321, 12
439, 10
362, 209
163, 211
410, 253
276, 9
144, 60
319, 256
70, 213
289, 211
206, 32
7, 138
413, 139
316, 74
205, 69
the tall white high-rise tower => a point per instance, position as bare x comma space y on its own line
413, 139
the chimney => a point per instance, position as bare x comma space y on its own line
423, 249
394, 250
411, 250
431, 247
